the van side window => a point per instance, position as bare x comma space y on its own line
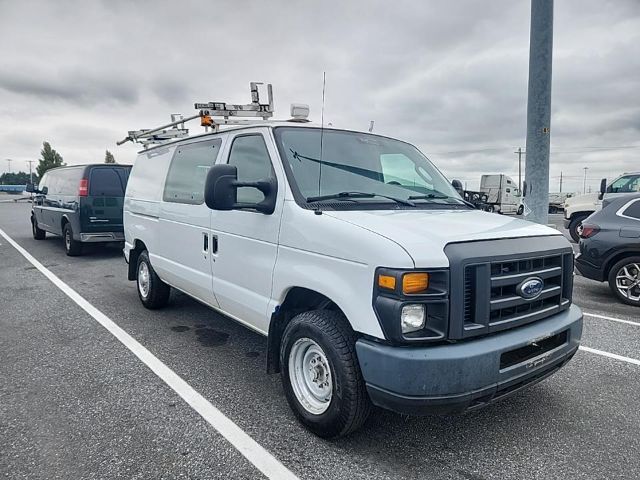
188, 172
249, 154
53, 183
44, 182
105, 182
69, 181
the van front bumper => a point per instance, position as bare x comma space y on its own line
461, 376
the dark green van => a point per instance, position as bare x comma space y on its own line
81, 203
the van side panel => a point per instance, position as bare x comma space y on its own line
339, 270
142, 200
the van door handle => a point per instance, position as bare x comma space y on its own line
214, 244
205, 238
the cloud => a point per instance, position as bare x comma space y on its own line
446, 76
72, 87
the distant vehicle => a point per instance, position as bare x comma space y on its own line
610, 247
374, 282
557, 201
81, 203
503, 195
577, 208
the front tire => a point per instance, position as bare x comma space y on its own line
574, 225
624, 280
38, 233
321, 375
71, 246
153, 292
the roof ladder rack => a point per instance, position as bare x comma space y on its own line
225, 114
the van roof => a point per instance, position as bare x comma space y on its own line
268, 124
125, 165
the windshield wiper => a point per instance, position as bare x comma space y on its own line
435, 196
354, 195
428, 196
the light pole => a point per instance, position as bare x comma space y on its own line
584, 182
539, 112
30, 162
9, 163
520, 153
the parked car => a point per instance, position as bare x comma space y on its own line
579, 207
374, 282
610, 247
81, 203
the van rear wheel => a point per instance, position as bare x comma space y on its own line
71, 246
153, 292
321, 375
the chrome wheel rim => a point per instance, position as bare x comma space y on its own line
310, 376
143, 279
628, 281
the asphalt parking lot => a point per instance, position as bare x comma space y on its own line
76, 403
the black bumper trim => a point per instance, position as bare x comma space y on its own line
462, 402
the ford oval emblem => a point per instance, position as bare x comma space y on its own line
530, 288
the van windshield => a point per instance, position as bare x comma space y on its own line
360, 168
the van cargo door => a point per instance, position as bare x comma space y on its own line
102, 208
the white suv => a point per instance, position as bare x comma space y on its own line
373, 281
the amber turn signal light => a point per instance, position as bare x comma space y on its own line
415, 282
387, 281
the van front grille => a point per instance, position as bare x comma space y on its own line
505, 305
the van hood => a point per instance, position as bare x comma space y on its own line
425, 233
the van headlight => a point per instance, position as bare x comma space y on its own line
412, 305
412, 317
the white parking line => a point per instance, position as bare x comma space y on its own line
613, 319
610, 355
247, 446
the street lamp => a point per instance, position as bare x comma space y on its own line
584, 182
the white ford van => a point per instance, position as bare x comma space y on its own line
373, 281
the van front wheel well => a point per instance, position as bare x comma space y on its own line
298, 300
134, 253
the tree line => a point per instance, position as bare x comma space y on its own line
49, 158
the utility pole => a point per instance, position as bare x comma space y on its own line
9, 163
560, 182
539, 112
520, 153
584, 182
30, 162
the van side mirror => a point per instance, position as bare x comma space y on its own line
603, 188
29, 188
524, 188
457, 184
44, 190
221, 190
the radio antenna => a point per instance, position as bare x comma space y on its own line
324, 82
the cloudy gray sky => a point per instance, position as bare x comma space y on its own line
448, 76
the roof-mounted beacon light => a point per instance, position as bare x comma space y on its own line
299, 112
